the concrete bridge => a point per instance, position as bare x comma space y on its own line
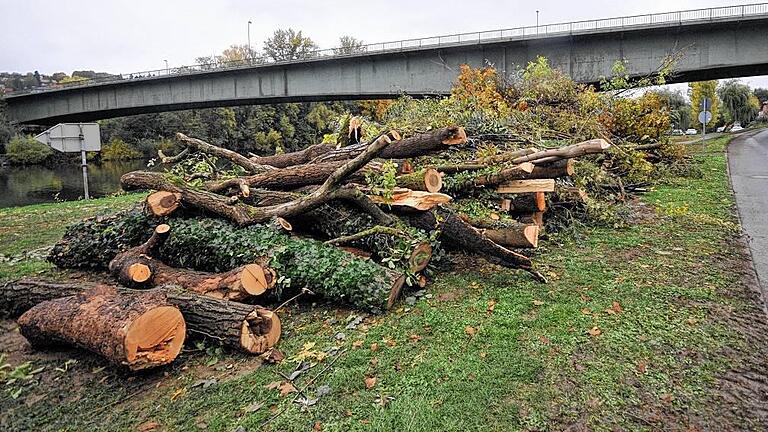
714, 43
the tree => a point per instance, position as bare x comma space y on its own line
289, 45
697, 92
234, 54
7, 128
25, 150
349, 45
761, 94
679, 109
739, 104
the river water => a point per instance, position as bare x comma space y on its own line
34, 184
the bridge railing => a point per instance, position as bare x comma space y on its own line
518, 33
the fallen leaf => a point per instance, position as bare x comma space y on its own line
374, 362
347, 413
253, 407
147, 426
286, 388
389, 341
586, 311
491, 306
317, 427
370, 382
545, 340
641, 367
595, 331
667, 398
177, 393
273, 385
617, 307
357, 344
274, 355
538, 302
374, 346
470, 331
414, 338
494, 216
691, 321
483, 354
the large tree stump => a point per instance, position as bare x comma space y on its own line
139, 331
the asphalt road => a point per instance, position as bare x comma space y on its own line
748, 163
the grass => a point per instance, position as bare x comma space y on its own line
625, 336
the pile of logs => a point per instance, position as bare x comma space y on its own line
208, 254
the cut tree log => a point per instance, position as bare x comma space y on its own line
294, 158
249, 328
428, 180
492, 179
505, 156
138, 331
556, 169
598, 145
136, 268
524, 203
522, 236
417, 200
162, 203
417, 145
526, 186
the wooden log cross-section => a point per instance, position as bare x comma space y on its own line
248, 328
137, 269
162, 203
138, 331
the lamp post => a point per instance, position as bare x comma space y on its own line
537, 22
167, 69
250, 56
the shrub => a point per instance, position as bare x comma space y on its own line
25, 150
117, 149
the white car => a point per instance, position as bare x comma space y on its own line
677, 132
691, 131
737, 127
721, 128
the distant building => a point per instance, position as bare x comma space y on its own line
763, 111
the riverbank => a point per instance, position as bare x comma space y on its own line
651, 327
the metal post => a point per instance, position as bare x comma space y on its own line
84, 163
704, 126
250, 56
537, 22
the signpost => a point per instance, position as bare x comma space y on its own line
705, 116
73, 138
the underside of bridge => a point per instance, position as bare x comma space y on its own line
712, 50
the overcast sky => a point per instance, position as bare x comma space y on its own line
121, 36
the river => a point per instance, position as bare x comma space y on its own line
34, 184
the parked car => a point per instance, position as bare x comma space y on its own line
691, 131
721, 129
736, 127
677, 132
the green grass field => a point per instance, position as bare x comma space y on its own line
626, 336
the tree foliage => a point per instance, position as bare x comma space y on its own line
349, 45
289, 45
697, 92
25, 150
739, 104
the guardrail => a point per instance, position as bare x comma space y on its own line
519, 33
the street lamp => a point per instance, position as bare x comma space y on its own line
250, 55
167, 69
537, 22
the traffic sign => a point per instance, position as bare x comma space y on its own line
72, 137
705, 117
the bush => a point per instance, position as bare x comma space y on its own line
25, 150
117, 149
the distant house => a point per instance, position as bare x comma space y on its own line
763, 111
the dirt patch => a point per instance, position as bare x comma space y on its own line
640, 213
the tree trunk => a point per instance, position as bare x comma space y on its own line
535, 218
524, 203
250, 328
232, 156
506, 233
136, 268
417, 145
572, 151
139, 331
492, 179
557, 169
526, 186
428, 180
294, 158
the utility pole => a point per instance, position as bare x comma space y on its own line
167, 69
537, 22
250, 53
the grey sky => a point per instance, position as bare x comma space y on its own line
122, 36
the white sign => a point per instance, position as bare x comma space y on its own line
72, 137
705, 117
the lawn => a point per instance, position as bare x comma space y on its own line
631, 333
